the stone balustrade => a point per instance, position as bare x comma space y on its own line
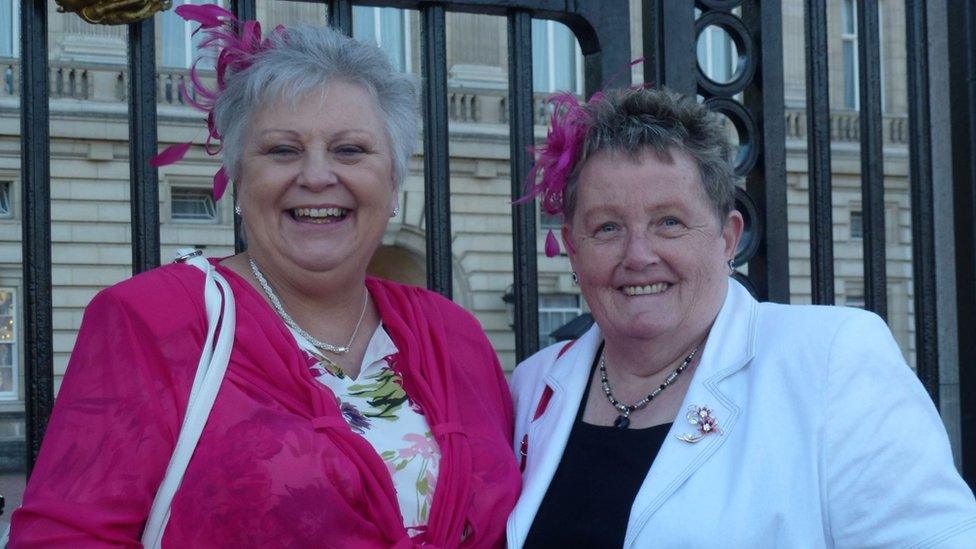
845, 126
107, 83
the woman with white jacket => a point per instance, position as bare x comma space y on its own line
692, 415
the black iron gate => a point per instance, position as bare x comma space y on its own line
945, 298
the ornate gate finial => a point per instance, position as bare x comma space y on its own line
113, 12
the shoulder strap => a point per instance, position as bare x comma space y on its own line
210, 373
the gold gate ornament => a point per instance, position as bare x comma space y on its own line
113, 12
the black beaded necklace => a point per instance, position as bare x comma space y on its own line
623, 420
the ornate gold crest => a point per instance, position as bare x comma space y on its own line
113, 12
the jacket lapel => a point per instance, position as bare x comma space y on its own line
548, 434
730, 347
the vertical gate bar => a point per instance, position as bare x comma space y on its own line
143, 178
818, 154
669, 44
340, 16
769, 269
923, 212
244, 10
940, 49
437, 182
872, 157
521, 120
606, 58
36, 226
961, 27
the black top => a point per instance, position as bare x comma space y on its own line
588, 501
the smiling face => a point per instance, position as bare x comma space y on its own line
649, 250
316, 186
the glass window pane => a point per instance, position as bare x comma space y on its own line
717, 54
173, 30
364, 23
564, 57
540, 56
8, 348
849, 17
391, 36
850, 75
7, 28
207, 58
546, 221
179, 44
8, 368
722, 46
193, 205
7, 331
554, 52
854, 300
555, 310
6, 375
857, 225
5, 199
558, 302
6, 303
550, 322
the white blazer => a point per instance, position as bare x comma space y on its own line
828, 439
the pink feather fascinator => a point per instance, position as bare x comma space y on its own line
234, 44
556, 158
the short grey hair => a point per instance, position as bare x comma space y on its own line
305, 58
632, 120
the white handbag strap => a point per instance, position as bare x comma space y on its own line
210, 372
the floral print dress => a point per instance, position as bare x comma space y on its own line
375, 405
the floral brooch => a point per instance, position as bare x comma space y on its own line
702, 417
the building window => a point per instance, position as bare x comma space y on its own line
857, 225
548, 221
179, 44
9, 28
554, 311
6, 210
8, 345
848, 36
388, 28
881, 53
854, 297
717, 56
852, 99
557, 61
192, 205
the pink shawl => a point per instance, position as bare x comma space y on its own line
277, 464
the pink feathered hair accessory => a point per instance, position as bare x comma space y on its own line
235, 44
557, 157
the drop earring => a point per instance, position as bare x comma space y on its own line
575, 278
237, 209
731, 265
395, 212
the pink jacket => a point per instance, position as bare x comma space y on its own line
276, 466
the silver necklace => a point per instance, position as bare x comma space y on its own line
294, 325
623, 420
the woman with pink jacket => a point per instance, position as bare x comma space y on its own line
355, 412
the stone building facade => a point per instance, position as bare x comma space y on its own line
90, 172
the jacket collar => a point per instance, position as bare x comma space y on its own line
548, 434
730, 346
